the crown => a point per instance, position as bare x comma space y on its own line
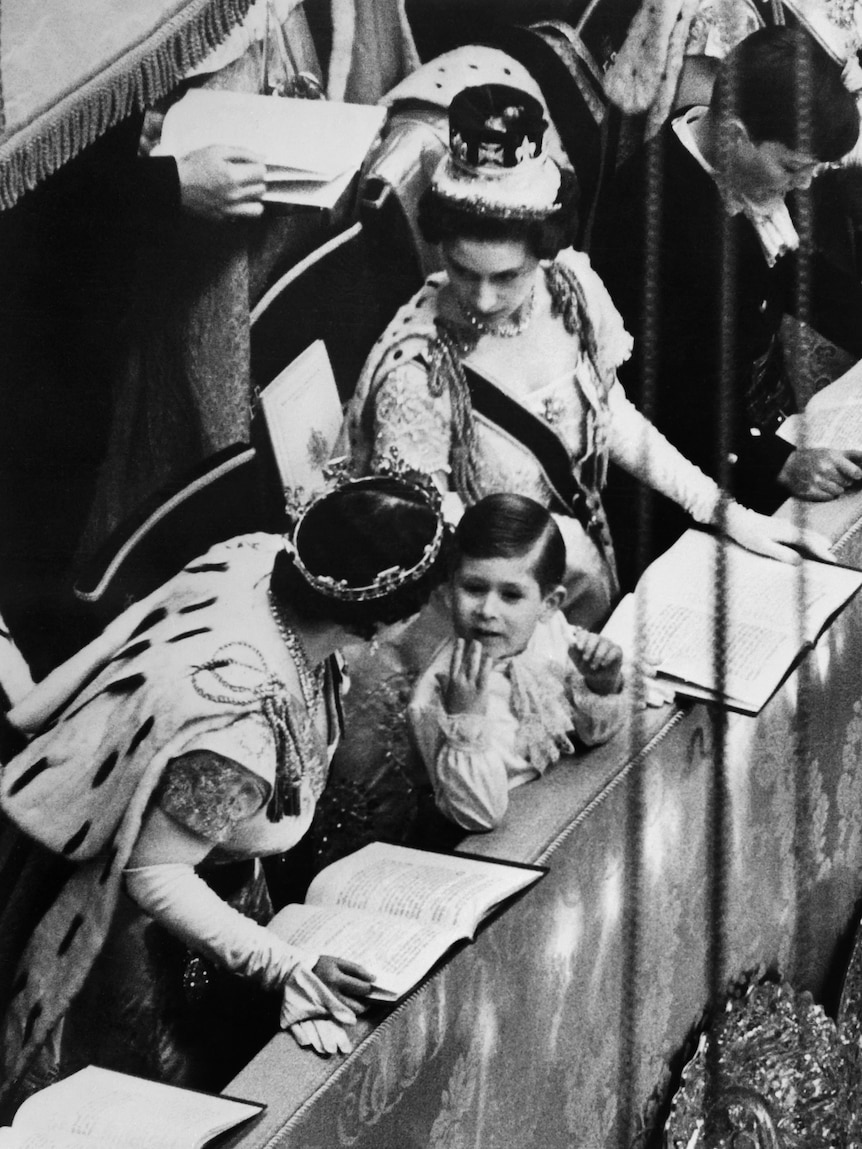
496, 164
392, 578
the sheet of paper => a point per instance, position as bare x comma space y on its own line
133, 1112
317, 137
838, 426
397, 952
766, 623
833, 416
45, 1139
310, 193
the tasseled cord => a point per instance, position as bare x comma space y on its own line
447, 373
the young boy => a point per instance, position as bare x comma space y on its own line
502, 699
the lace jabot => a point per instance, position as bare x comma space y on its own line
771, 221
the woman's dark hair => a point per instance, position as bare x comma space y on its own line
439, 220
507, 526
353, 534
784, 87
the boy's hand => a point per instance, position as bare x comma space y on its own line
465, 691
599, 660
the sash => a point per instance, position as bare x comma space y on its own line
542, 442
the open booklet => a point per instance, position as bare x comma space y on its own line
396, 910
769, 624
100, 1109
832, 417
312, 148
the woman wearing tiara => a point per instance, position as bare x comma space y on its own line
197, 731
500, 374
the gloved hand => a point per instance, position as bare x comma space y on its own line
173, 895
306, 996
324, 1037
778, 538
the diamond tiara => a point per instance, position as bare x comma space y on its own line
390, 579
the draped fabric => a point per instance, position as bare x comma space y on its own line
70, 71
181, 391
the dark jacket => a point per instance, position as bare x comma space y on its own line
709, 316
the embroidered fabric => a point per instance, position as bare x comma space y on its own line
209, 794
786, 1075
411, 424
412, 336
376, 783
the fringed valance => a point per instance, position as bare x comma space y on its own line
71, 70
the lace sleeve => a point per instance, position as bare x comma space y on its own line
409, 423
209, 794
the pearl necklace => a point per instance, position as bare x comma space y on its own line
506, 328
310, 680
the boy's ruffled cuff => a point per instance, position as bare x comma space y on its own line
465, 731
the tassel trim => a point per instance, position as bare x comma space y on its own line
145, 73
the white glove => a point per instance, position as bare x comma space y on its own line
778, 538
324, 1037
306, 996
173, 895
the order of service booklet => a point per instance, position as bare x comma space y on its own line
767, 627
397, 910
302, 413
99, 1108
312, 148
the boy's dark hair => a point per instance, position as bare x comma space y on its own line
353, 535
784, 87
439, 220
507, 526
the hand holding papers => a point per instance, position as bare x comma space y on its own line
312, 148
828, 434
766, 631
220, 182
